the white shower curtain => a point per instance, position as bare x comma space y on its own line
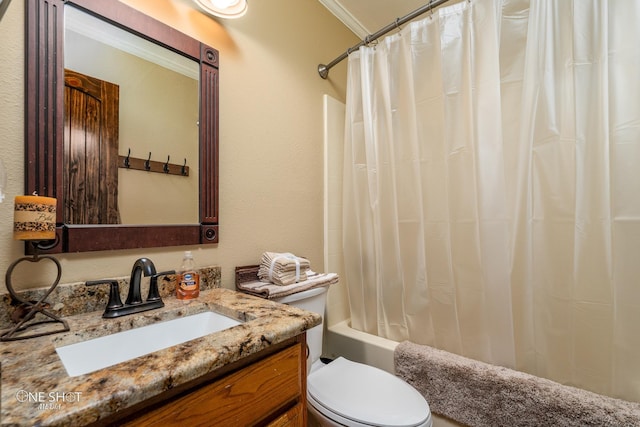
492, 187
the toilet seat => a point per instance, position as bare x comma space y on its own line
352, 393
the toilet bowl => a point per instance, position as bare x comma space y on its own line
348, 393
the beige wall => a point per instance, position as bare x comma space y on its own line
271, 188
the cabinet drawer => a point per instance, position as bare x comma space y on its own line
242, 398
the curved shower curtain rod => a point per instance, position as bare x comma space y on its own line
323, 69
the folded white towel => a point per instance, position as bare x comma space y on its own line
270, 291
283, 268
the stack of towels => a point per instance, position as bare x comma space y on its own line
281, 274
283, 268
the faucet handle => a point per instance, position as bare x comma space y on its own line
154, 295
114, 292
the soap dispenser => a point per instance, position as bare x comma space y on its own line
188, 284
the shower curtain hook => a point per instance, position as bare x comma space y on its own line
431, 9
397, 21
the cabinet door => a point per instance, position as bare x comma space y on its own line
267, 390
294, 417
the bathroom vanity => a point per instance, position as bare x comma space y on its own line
270, 391
252, 373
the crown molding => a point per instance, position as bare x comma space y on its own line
345, 17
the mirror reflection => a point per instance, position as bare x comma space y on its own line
128, 101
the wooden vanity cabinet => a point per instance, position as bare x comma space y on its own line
267, 389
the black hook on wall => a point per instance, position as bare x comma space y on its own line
165, 168
127, 163
184, 171
147, 163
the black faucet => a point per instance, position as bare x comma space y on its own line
142, 265
134, 303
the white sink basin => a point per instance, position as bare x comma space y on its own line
94, 354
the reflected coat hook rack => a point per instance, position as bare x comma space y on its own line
128, 162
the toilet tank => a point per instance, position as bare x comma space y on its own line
311, 300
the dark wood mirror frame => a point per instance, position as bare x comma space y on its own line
44, 118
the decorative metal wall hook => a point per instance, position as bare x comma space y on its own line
184, 171
147, 163
165, 168
127, 163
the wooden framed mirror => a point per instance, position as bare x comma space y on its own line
47, 171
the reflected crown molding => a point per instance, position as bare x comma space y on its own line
103, 32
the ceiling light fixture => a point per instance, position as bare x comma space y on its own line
224, 8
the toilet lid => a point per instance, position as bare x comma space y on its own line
367, 395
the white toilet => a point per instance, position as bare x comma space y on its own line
346, 393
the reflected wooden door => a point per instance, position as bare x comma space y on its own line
90, 150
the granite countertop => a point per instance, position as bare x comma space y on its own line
36, 389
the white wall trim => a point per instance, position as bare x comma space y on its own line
347, 19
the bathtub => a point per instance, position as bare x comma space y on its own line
342, 340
